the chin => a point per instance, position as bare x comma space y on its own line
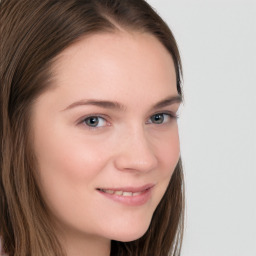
130, 238
130, 234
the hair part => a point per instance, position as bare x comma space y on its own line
33, 34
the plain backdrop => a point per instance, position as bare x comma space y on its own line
217, 40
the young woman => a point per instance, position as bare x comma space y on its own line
90, 159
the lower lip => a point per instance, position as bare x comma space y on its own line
130, 200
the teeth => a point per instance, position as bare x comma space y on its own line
120, 193
136, 194
109, 191
127, 193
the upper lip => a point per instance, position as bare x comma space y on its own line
130, 189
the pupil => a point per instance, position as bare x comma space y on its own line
158, 118
93, 121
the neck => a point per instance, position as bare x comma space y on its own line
84, 244
89, 247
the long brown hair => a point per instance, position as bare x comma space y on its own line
33, 33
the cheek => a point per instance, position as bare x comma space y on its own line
171, 153
66, 165
168, 151
59, 151
68, 169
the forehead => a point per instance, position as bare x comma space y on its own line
116, 65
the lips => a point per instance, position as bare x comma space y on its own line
120, 192
128, 195
126, 191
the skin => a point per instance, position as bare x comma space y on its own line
127, 148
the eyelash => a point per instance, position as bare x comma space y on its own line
171, 115
82, 122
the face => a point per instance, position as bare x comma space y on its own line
106, 136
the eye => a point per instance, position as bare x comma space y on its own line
157, 119
161, 118
95, 121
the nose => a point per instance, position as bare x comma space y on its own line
135, 153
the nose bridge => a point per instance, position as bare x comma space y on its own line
135, 151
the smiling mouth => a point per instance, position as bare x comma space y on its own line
128, 191
130, 196
122, 193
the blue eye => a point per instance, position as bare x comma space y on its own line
95, 121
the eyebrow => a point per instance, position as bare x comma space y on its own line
168, 101
116, 105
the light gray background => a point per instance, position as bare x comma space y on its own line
217, 40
